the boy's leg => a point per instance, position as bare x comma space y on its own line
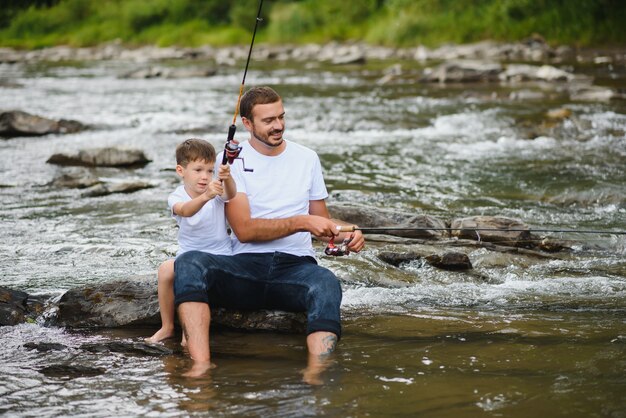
166, 302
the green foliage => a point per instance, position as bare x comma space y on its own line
37, 23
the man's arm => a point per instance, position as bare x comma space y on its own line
250, 229
318, 207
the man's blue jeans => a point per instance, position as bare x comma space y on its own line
261, 281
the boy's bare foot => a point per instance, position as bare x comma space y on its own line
160, 335
183, 341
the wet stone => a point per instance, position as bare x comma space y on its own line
102, 157
450, 261
17, 123
71, 371
397, 259
44, 347
135, 348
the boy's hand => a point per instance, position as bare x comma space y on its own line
215, 188
223, 173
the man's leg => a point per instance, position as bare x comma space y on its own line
228, 280
196, 319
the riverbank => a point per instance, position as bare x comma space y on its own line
534, 49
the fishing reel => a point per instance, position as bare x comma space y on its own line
338, 250
232, 149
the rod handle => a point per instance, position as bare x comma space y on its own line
346, 228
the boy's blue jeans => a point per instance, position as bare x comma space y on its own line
261, 281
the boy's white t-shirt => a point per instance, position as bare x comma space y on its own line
206, 230
279, 187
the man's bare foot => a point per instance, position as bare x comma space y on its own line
199, 369
160, 335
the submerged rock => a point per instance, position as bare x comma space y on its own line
75, 178
44, 347
140, 348
17, 123
71, 371
102, 157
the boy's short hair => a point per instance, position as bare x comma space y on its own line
193, 150
256, 96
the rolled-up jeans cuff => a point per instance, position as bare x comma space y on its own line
191, 297
326, 325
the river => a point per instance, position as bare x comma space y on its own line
525, 336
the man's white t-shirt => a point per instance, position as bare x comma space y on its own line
279, 187
206, 230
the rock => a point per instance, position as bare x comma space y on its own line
396, 259
463, 71
17, 307
450, 261
75, 178
524, 72
552, 246
104, 189
140, 348
134, 303
122, 303
498, 230
71, 371
44, 347
593, 94
13, 308
162, 72
561, 113
102, 157
16, 123
365, 216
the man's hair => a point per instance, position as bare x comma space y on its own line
256, 96
194, 150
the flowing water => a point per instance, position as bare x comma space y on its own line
523, 336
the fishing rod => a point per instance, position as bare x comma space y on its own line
342, 249
232, 149
351, 228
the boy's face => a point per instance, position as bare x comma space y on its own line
196, 176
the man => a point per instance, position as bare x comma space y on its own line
276, 210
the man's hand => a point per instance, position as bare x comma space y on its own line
357, 243
320, 226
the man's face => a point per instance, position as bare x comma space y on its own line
268, 123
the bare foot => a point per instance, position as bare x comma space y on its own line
199, 369
160, 335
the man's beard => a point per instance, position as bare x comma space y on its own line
266, 140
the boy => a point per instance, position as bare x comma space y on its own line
198, 207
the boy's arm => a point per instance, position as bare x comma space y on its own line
230, 189
190, 207
250, 229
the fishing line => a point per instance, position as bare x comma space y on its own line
232, 147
